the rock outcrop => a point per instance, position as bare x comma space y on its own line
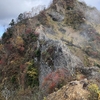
73, 91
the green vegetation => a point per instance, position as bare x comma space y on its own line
12, 22
32, 75
20, 17
13, 79
94, 92
74, 18
7, 34
97, 64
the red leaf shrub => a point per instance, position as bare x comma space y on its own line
52, 86
56, 79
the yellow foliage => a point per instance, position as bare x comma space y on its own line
44, 98
32, 73
94, 89
1, 46
19, 41
28, 63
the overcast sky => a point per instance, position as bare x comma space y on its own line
10, 9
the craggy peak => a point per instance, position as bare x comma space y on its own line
52, 54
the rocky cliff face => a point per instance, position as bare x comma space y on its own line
54, 48
55, 55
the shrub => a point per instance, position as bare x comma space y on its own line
44, 20
32, 75
12, 22
4, 35
13, 79
74, 18
94, 92
28, 31
19, 41
7, 35
56, 79
38, 54
20, 17
9, 47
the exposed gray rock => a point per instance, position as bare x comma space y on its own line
56, 16
58, 55
91, 73
49, 30
62, 30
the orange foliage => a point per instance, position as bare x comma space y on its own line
54, 79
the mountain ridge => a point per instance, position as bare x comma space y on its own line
51, 50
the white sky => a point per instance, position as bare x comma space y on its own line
93, 3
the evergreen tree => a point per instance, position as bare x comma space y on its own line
12, 22
20, 17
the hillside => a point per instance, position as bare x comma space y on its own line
54, 55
